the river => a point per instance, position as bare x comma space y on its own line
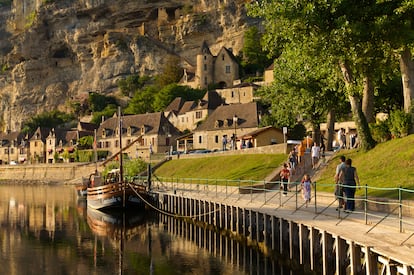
46, 230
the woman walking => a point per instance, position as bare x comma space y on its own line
351, 182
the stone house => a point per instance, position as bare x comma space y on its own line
221, 69
13, 148
227, 124
60, 140
263, 136
186, 115
37, 145
240, 93
142, 134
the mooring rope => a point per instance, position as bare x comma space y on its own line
168, 213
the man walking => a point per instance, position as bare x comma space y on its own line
339, 181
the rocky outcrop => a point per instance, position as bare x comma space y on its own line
56, 53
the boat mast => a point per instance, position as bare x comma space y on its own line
95, 152
121, 168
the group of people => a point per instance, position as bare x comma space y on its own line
346, 179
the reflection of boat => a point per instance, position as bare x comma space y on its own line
116, 224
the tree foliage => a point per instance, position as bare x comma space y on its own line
254, 58
360, 36
171, 72
132, 83
99, 102
52, 119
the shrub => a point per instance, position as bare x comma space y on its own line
400, 123
380, 131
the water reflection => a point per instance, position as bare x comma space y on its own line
46, 230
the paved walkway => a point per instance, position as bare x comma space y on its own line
374, 229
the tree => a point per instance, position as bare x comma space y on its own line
349, 31
254, 58
171, 73
303, 89
98, 102
142, 101
167, 94
132, 83
51, 119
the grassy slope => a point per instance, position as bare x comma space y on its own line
389, 164
243, 167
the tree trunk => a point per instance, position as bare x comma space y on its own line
407, 75
368, 100
330, 129
366, 142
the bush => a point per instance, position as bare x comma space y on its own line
399, 123
380, 131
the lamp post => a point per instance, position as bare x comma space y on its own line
235, 118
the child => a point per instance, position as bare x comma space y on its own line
306, 188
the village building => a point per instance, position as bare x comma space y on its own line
141, 135
224, 127
13, 148
221, 69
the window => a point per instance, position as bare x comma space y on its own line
11, 150
232, 93
205, 80
205, 57
35, 143
103, 133
6, 151
222, 57
116, 143
228, 69
216, 139
199, 114
200, 139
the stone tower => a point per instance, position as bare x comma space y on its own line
205, 67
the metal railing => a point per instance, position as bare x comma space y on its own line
372, 210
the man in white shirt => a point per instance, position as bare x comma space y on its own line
315, 152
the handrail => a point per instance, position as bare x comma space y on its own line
269, 193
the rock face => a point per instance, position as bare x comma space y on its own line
52, 54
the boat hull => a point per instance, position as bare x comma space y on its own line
112, 196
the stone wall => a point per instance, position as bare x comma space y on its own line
47, 172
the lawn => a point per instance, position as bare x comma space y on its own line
235, 167
388, 166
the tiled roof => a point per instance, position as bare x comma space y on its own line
175, 105
247, 115
260, 130
156, 123
188, 106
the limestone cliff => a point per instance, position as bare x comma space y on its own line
53, 52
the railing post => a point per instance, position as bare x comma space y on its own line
264, 190
296, 194
216, 188
251, 190
400, 208
366, 204
239, 190
280, 193
316, 208
226, 187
